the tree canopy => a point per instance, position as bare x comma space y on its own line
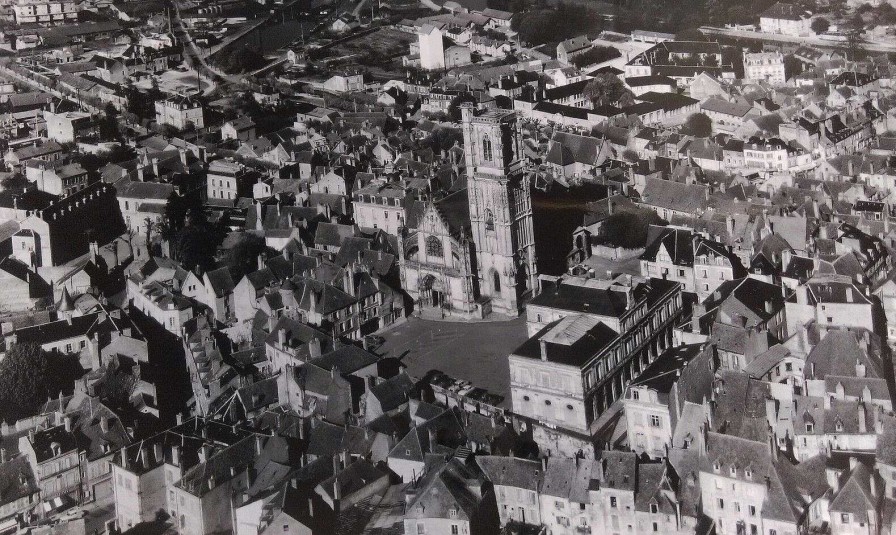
606, 89
25, 381
697, 125
543, 26
820, 25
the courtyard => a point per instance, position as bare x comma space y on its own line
473, 351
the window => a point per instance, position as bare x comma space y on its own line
655, 421
752, 510
653, 508
421, 528
656, 526
452, 513
285, 528
489, 220
496, 282
721, 503
844, 517
434, 246
753, 530
810, 427
681, 273
455, 529
486, 148
613, 501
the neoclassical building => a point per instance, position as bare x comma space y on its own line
473, 251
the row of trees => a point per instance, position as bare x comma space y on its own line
550, 26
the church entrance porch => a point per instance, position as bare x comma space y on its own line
432, 293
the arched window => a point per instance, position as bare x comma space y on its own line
496, 282
489, 220
434, 246
486, 149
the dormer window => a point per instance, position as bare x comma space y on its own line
810, 427
839, 425
748, 474
717, 466
733, 470
452, 513
653, 508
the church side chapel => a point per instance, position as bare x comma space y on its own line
472, 252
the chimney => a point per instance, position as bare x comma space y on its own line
544, 349
158, 452
183, 157
861, 415
849, 166
204, 453
155, 167
175, 455
281, 337
259, 444
104, 423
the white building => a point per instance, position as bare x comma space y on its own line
765, 67
46, 11
180, 112
786, 19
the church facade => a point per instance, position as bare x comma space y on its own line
473, 250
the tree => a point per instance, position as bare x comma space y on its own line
454, 106
242, 257
697, 125
605, 88
820, 25
108, 124
24, 381
792, 66
117, 386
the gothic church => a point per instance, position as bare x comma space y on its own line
472, 252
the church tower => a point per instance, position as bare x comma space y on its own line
500, 208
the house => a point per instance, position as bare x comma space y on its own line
45, 12
517, 484
577, 327
701, 265
68, 126
571, 48
786, 19
142, 204
182, 113
21, 288
56, 177
451, 497
21, 495
241, 129
765, 67
728, 116
227, 181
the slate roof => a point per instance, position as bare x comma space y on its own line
691, 198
